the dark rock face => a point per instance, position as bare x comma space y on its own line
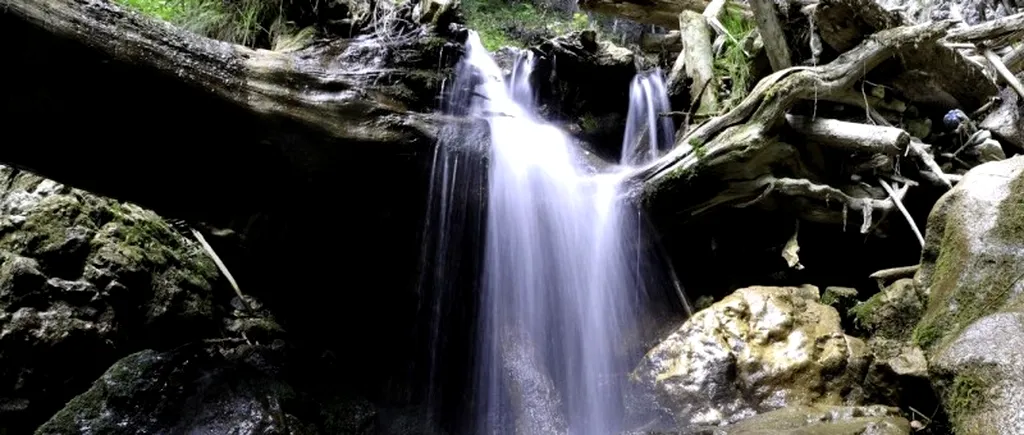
83, 281
207, 388
228, 386
584, 83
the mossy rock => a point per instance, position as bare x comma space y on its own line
973, 269
892, 313
195, 389
972, 263
85, 280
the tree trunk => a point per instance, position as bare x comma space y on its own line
108, 100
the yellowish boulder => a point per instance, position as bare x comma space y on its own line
757, 350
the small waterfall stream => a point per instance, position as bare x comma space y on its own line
560, 284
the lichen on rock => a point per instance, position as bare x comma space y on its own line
757, 350
973, 269
85, 275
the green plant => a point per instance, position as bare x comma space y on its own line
734, 62
517, 23
246, 22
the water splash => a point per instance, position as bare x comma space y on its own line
561, 268
648, 131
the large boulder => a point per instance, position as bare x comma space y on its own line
85, 280
757, 350
973, 269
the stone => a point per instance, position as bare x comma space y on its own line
85, 280
757, 350
892, 313
201, 389
1006, 122
840, 298
972, 268
822, 420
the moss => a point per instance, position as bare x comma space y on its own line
698, 147
966, 395
1010, 221
891, 313
588, 122
968, 285
518, 23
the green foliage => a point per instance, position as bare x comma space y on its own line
246, 22
517, 23
734, 62
966, 396
698, 147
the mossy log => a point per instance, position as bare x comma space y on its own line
742, 158
664, 13
106, 99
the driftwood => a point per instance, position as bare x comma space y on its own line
933, 73
695, 62
995, 32
771, 33
743, 160
1014, 60
1003, 71
154, 102
849, 135
895, 273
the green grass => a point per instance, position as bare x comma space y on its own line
252, 23
733, 62
516, 23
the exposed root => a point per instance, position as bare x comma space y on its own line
897, 199
223, 269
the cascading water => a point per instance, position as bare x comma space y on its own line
648, 132
562, 279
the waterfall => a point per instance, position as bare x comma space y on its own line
560, 277
648, 132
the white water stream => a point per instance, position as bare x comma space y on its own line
560, 276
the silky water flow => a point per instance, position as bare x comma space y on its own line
547, 248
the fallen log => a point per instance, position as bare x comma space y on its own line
850, 135
999, 29
1014, 60
695, 62
771, 33
933, 73
130, 103
664, 13
739, 159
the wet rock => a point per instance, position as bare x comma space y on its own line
757, 350
196, 389
83, 281
821, 420
972, 267
585, 82
892, 313
840, 298
1006, 122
